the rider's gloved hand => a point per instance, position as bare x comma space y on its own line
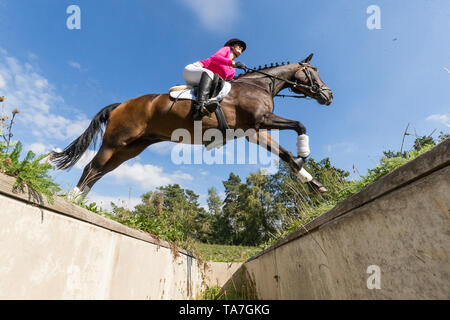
240, 65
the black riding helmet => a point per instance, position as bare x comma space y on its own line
234, 41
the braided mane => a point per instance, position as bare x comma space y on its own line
260, 68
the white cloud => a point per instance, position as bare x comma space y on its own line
32, 56
76, 127
163, 148
2, 82
148, 176
215, 15
346, 147
38, 148
441, 118
104, 202
35, 97
56, 126
74, 64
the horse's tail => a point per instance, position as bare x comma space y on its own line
73, 152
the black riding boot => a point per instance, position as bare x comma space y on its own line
202, 95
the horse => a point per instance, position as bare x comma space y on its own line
131, 126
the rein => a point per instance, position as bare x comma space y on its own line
313, 87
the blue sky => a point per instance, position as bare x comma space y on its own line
381, 79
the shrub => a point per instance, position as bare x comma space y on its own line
31, 172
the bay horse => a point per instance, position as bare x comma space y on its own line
135, 124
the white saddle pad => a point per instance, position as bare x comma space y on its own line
187, 93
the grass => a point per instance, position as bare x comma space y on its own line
225, 253
308, 211
211, 293
216, 293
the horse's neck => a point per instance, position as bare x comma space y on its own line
271, 85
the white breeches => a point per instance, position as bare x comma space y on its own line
193, 73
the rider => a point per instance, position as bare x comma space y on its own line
201, 73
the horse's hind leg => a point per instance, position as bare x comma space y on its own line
108, 159
92, 171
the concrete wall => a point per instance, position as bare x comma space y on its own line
62, 251
216, 274
400, 224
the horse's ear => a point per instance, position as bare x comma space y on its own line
308, 59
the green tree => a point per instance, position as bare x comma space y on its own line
257, 218
170, 212
251, 211
214, 202
181, 208
423, 141
393, 154
220, 228
226, 233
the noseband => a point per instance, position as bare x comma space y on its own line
314, 87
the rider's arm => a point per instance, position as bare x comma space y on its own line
223, 57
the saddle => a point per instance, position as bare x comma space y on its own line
219, 90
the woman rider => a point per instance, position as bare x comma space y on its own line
201, 73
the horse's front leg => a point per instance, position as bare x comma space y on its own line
272, 121
265, 140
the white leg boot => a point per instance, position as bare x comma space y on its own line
314, 185
76, 194
303, 146
304, 176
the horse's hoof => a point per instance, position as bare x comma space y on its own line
316, 186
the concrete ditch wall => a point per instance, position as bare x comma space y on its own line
61, 251
399, 226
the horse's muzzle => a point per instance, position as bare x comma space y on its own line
326, 97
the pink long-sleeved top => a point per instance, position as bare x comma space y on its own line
220, 63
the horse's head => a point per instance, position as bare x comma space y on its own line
310, 83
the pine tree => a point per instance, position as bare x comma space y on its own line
227, 233
216, 221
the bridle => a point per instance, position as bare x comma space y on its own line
314, 87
